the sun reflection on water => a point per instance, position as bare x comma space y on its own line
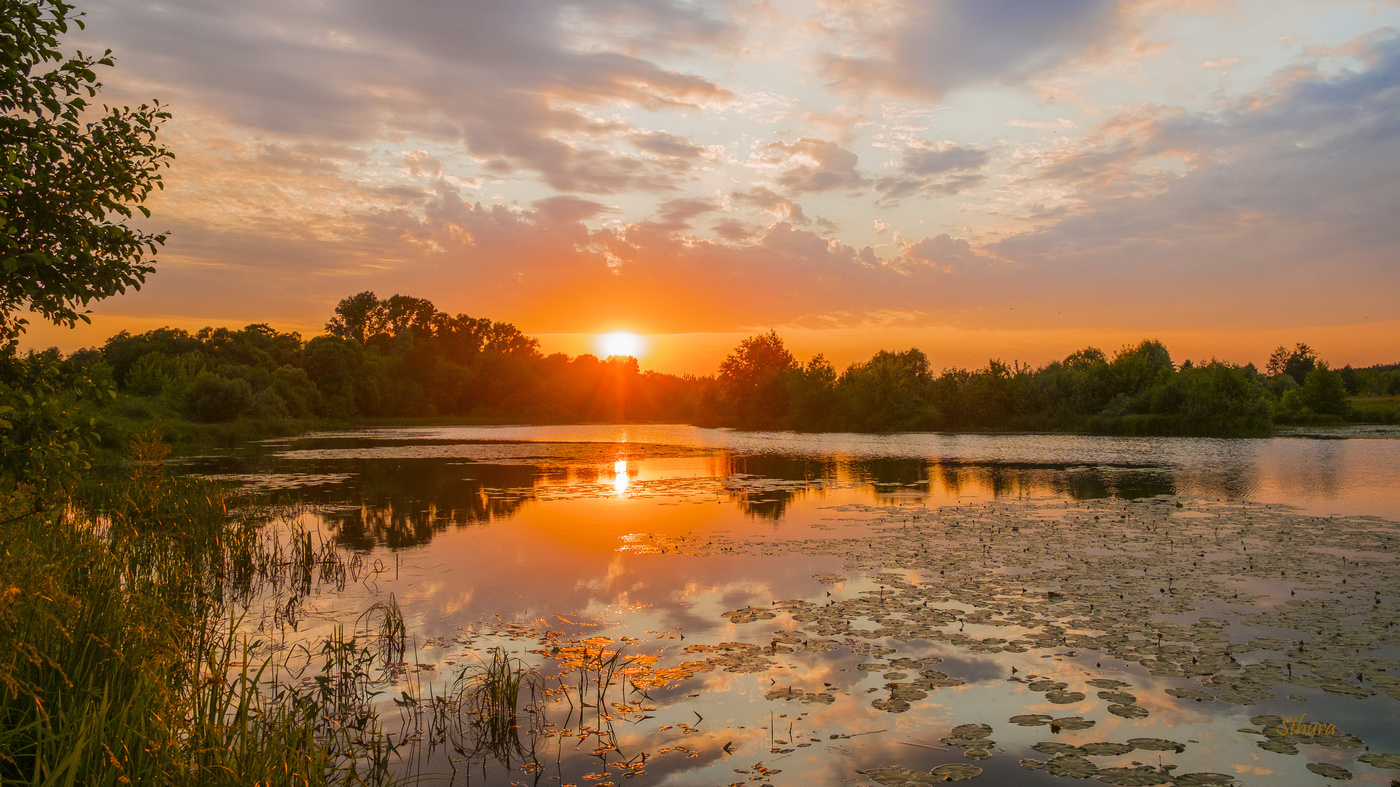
620, 480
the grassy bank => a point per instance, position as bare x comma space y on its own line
1374, 409
120, 660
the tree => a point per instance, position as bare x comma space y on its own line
888, 392
1323, 391
750, 379
1295, 363
70, 176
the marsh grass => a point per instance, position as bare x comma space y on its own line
123, 658
480, 715
384, 624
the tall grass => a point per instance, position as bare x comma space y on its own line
121, 659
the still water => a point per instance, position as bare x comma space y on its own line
827, 609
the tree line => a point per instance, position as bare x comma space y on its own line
1140, 390
402, 357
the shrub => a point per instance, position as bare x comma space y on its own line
214, 399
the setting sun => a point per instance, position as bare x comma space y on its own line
620, 343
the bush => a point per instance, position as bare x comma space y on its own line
214, 399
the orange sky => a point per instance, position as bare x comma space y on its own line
977, 178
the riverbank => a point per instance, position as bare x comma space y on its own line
124, 658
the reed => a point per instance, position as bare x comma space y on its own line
122, 655
486, 703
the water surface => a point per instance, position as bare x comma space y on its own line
802, 586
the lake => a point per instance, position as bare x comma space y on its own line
704, 606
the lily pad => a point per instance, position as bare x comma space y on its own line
1059, 697
1106, 749
955, 772
972, 731
1031, 720
1156, 744
749, 615
1119, 697
1205, 780
1191, 694
1388, 761
1128, 711
1329, 770
1132, 776
1277, 746
1108, 683
899, 776
1055, 747
891, 705
1075, 723
977, 754
1071, 765
1339, 741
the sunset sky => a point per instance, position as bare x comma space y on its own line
977, 178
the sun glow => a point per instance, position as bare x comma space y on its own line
620, 343
620, 479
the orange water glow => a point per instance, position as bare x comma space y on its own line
620, 480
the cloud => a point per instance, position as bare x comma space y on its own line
941, 252
669, 145
814, 165
734, 230
567, 210
505, 79
927, 50
676, 214
923, 167
772, 202
1254, 210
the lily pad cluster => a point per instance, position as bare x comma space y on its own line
974, 739
1114, 577
1071, 760
1041, 720
1233, 603
1283, 736
899, 776
804, 697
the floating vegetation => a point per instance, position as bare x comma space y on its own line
1389, 761
1191, 694
970, 736
1329, 770
899, 776
1141, 775
1128, 711
1156, 744
1165, 584
955, 772
1105, 749
1164, 616
804, 697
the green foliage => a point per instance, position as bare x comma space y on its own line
70, 176
416, 362
215, 399
43, 443
752, 378
888, 392
119, 662
1375, 410
1323, 391
1295, 363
